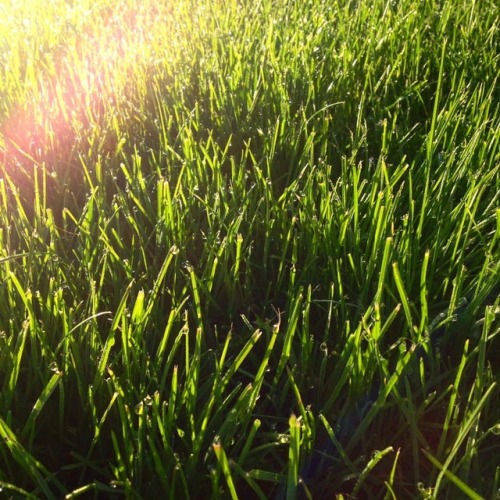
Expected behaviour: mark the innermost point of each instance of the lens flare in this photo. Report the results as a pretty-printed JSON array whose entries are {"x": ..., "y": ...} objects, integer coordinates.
[{"x": 88, "y": 58}]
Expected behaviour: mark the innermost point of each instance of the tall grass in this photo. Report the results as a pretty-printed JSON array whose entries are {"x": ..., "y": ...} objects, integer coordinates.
[{"x": 249, "y": 249}]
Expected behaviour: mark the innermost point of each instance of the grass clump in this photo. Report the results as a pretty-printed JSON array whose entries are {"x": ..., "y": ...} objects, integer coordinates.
[{"x": 249, "y": 248}]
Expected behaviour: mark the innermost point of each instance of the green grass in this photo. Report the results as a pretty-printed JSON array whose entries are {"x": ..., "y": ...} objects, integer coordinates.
[{"x": 249, "y": 249}]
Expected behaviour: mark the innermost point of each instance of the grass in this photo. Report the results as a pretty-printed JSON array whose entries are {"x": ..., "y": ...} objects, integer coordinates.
[{"x": 249, "y": 249}]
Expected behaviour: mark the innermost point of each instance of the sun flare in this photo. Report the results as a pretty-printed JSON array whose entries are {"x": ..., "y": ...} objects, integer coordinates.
[{"x": 75, "y": 64}]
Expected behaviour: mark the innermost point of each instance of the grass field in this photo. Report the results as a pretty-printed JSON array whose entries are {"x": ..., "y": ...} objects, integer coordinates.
[{"x": 250, "y": 249}]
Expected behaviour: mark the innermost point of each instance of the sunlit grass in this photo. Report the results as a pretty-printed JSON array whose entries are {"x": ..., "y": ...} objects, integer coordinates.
[{"x": 249, "y": 249}]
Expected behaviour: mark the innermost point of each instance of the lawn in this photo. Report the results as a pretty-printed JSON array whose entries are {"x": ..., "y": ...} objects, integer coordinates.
[{"x": 250, "y": 249}]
